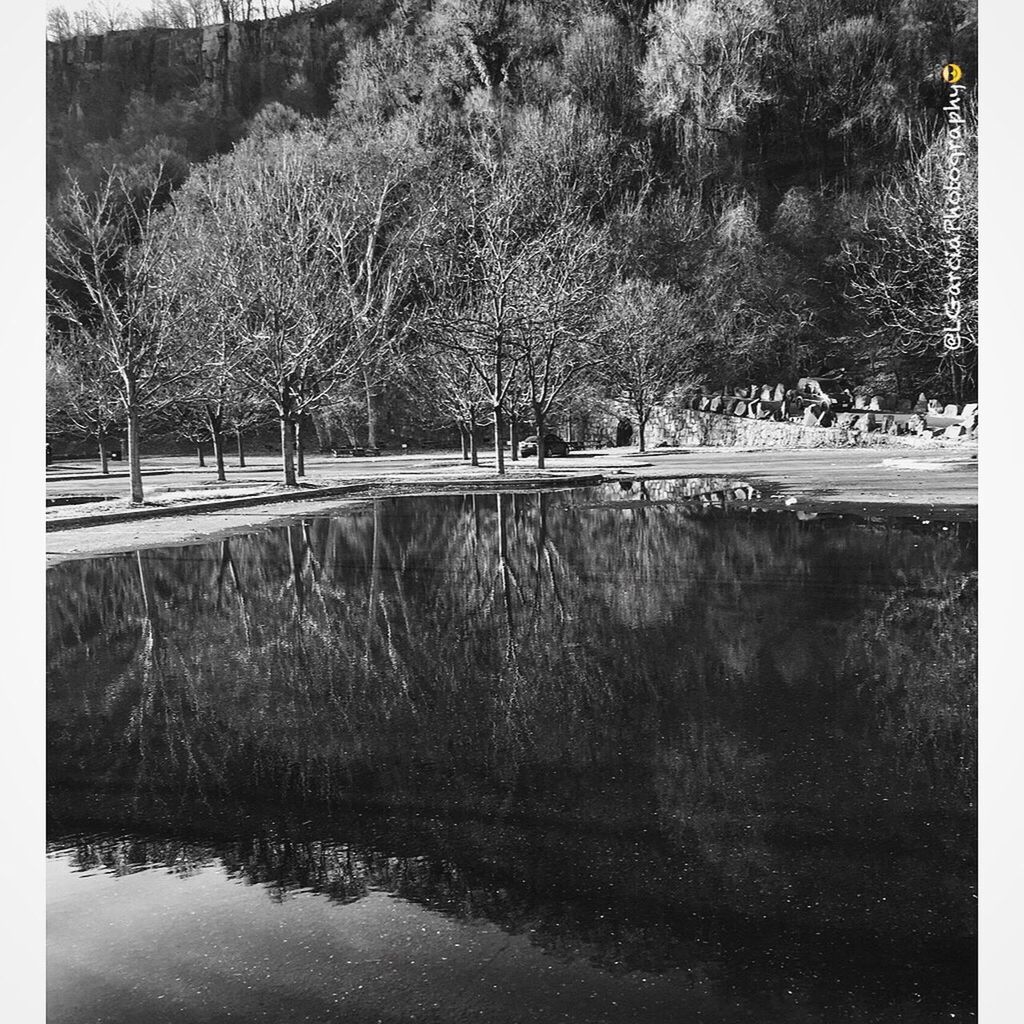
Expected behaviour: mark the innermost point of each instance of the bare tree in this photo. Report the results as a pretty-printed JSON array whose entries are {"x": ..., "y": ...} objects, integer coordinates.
[
  {"x": 79, "y": 392},
  {"x": 647, "y": 356},
  {"x": 95, "y": 19},
  {"x": 245, "y": 411},
  {"x": 215, "y": 388},
  {"x": 562, "y": 291},
  {"x": 905, "y": 269},
  {"x": 179, "y": 14},
  {"x": 110, "y": 16},
  {"x": 702, "y": 73},
  {"x": 263, "y": 224},
  {"x": 58, "y": 24},
  {"x": 443, "y": 378},
  {"x": 113, "y": 285},
  {"x": 479, "y": 309},
  {"x": 372, "y": 236},
  {"x": 187, "y": 421}
]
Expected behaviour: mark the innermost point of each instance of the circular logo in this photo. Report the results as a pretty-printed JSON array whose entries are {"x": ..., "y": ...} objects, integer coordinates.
[{"x": 952, "y": 73}]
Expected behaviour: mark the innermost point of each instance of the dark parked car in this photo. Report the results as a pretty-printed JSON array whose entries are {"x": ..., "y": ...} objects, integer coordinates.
[{"x": 553, "y": 445}]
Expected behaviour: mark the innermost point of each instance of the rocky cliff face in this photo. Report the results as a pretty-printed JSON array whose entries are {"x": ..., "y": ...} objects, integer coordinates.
[{"x": 235, "y": 67}]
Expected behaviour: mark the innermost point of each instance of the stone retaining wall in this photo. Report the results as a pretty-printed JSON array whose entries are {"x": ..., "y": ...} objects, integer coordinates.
[{"x": 687, "y": 428}]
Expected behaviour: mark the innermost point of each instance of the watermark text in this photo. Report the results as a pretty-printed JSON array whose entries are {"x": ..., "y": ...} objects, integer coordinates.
[{"x": 952, "y": 215}]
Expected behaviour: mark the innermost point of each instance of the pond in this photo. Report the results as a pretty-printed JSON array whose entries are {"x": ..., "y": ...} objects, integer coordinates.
[{"x": 634, "y": 753}]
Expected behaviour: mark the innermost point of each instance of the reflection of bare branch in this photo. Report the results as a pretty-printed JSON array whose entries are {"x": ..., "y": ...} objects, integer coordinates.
[{"x": 596, "y": 617}]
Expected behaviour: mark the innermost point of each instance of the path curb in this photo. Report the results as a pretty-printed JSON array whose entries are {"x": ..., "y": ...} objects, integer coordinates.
[
  {"x": 130, "y": 515},
  {"x": 253, "y": 501},
  {"x": 70, "y": 478}
]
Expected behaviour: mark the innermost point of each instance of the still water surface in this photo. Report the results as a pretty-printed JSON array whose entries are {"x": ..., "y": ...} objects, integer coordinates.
[{"x": 598, "y": 755}]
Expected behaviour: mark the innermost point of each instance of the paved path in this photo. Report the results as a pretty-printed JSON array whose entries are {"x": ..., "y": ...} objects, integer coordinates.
[{"x": 876, "y": 475}]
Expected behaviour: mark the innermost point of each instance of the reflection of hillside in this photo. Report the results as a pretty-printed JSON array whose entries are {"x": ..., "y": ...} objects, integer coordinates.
[{"x": 645, "y": 733}]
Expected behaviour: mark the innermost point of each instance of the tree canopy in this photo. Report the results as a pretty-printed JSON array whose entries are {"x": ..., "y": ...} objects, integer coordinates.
[{"x": 764, "y": 180}]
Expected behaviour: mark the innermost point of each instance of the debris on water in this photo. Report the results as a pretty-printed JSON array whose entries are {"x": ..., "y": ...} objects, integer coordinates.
[{"x": 791, "y": 501}]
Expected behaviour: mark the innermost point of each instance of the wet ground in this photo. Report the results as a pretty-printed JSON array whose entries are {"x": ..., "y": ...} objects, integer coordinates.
[
  {"x": 887, "y": 480},
  {"x": 635, "y": 753}
]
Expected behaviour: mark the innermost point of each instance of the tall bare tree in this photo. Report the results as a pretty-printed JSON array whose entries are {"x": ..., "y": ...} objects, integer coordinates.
[
  {"x": 480, "y": 305},
  {"x": 647, "y": 347},
  {"x": 265, "y": 224},
  {"x": 905, "y": 269},
  {"x": 562, "y": 294},
  {"x": 113, "y": 285},
  {"x": 373, "y": 234}
]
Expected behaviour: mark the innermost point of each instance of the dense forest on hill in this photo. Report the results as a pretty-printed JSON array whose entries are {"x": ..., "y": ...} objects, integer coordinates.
[{"x": 407, "y": 215}]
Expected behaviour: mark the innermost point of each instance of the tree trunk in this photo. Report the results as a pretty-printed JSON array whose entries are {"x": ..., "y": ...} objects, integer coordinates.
[
  {"x": 148, "y": 599},
  {"x": 372, "y": 599},
  {"x": 101, "y": 437},
  {"x": 502, "y": 528},
  {"x": 199, "y": 452},
  {"x": 295, "y": 563},
  {"x": 474, "y": 455},
  {"x": 513, "y": 436},
  {"x": 499, "y": 438},
  {"x": 300, "y": 448},
  {"x": 371, "y": 418},
  {"x": 538, "y": 419},
  {"x": 322, "y": 429},
  {"x": 218, "y": 454},
  {"x": 288, "y": 449},
  {"x": 642, "y": 423},
  {"x": 241, "y": 452},
  {"x": 215, "y": 421},
  {"x": 134, "y": 461},
  {"x": 499, "y": 442},
  {"x": 465, "y": 441}
]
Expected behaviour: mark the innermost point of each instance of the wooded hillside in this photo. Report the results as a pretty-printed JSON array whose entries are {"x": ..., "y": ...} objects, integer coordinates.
[{"x": 758, "y": 183}]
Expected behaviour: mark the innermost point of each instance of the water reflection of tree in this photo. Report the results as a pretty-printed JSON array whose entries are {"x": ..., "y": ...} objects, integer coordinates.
[
  {"x": 688, "y": 607},
  {"x": 732, "y": 706},
  {"x": 925, "y": 686}
]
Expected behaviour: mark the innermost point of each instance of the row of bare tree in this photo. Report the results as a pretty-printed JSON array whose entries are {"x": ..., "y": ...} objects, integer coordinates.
[
  {"x": 303, "y": 267},
  {"x": 102, "y": 16}
]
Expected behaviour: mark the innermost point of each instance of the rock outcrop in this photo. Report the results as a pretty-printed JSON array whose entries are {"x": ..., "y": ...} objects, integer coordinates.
[{"x": 235, "y": 67}]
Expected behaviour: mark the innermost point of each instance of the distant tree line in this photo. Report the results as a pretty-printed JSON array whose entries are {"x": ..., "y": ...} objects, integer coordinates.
[
  {"x": 514, "y": 211},
  {"x": 110, "y": 16}
]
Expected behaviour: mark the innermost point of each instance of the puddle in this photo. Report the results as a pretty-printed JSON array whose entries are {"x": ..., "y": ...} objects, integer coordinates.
[{"x": 511, "y": 757}]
